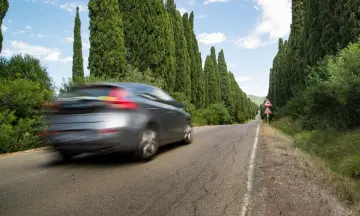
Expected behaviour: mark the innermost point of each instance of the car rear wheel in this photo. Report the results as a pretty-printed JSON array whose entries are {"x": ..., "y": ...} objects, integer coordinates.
[
  {"x": 148, "y": 145},
  {"x": 188, "y": 134}
]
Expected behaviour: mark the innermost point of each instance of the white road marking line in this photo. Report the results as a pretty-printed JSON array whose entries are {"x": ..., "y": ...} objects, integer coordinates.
[{"x": 250, "y": 174}]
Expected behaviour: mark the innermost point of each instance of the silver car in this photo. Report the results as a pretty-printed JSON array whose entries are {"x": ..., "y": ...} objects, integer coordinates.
[{"x": 116, "y": 117}]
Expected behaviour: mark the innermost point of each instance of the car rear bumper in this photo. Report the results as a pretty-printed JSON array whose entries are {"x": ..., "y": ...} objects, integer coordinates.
[{"x": 124, "y": 141}]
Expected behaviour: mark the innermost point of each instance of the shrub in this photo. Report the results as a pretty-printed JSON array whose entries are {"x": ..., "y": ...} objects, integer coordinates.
[
  {"x": 215, "y": 114},
  {"x": 25, "y": 85}
]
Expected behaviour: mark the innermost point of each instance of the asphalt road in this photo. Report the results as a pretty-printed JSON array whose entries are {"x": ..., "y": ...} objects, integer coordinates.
[{"x": 207, "y": 177}]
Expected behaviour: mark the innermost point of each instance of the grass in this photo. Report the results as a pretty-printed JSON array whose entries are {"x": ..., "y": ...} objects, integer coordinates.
[{"x": 340, "y": 153}]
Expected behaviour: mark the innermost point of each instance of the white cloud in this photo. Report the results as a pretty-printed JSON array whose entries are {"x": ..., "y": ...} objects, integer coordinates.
[
  {"x": 249, "y": 42},
  {"x": 50, "y": 1},
  {"x": 28, "y": 27},
  {"x": 71, "y": 6},
  {"x": 275, "y": 23},
  {"x": 40, "y": 35},
  {"x": 182, "y": 11},
  {"x": 206, "y": 2},
  {"x": 201, "y": 16},
  {"x": 256, "y": 8},
  {"x": 44, "y": 53},
  {"x": 243, "y": 78},
  {"x": 211, "y": 38},
  {"x": 69, "y": 39},
  {"x": 4, "y": 28},
  {"x": 10, "y": 21}
]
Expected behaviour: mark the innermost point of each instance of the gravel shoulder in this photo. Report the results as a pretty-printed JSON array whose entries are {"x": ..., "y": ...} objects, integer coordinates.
[{"x": 294, "y": 183}]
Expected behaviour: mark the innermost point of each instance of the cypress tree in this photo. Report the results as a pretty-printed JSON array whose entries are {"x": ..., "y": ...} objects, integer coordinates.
[
  {"x": 210, "y": 82},
  {"x": 4, "y": 6},
  {"x": 224, "y": 80},
  {"x": 182, "y": 66},
  {"x": 189, "y": 41},
  {"x": 107, "y": 51},
  {"x": 217, "y": 79},
  {"x": 149, "y": 37},
  {"x": 197, "y": 75},
  {"x": 313, "y": 32},
  {"x": 330, "y": 37},
  {"x": 77, "y": 67}
]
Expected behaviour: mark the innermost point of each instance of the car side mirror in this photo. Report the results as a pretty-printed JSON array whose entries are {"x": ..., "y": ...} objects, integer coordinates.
[{"x": 178, "y": 104}]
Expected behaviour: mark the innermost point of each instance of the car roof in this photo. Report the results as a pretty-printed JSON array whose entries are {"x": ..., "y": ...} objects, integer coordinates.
[{"x": 132, "y": 86}]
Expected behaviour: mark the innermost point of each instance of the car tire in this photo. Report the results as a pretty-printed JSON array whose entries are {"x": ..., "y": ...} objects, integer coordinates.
[
  {"x": 149, "y": 144},
  {"x": 188, "y": 134}
]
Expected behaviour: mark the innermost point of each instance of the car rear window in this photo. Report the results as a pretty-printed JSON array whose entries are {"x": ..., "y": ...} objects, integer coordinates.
[{"x": 94, "y": 91}]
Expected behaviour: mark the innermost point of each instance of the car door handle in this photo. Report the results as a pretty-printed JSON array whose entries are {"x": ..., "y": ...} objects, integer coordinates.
[
  {"x": 153, "y": 108},
  {"x": 170, "y": 112}
]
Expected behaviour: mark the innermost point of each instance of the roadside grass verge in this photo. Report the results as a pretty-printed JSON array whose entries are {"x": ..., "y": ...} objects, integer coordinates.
[{"x": 337, "y": 153}]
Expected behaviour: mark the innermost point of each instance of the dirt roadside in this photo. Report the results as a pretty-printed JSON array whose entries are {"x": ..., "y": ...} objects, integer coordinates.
[{"x": 293, "y": 183}]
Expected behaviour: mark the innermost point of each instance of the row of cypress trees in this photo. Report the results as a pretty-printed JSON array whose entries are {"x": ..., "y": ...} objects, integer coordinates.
[
  {"x": 319, "y": 28},
  {"x": 152, "y": 35}
]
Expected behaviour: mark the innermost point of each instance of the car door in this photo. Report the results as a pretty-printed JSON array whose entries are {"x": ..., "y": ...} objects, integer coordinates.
[{"x": 175, "y": 119}]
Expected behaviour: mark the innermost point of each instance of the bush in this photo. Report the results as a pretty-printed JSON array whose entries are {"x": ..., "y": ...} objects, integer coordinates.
[
  {"x": 215, "y": 114},
  {"x": 24, "y": 86}
]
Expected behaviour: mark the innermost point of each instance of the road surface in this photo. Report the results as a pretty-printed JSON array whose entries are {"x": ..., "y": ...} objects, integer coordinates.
[{"x": 208, "y": 177}]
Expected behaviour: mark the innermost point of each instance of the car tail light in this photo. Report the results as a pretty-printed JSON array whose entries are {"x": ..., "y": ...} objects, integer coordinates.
[
  {"x": 47, "y": 133},
  {"x": 108, "y": 131},
  {"x": 51, "y": 105},
  {"x": 118, "y": 98}
]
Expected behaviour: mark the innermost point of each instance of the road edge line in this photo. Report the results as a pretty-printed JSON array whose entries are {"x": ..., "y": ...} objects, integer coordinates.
[{"x": 251, "y": 170}]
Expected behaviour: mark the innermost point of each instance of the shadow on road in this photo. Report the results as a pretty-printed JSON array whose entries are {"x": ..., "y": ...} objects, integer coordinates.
[{"x": 107, "y": 160}]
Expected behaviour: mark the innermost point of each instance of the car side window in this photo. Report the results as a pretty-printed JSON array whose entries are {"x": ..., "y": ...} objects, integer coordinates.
[{"x": 161, "y": 95}]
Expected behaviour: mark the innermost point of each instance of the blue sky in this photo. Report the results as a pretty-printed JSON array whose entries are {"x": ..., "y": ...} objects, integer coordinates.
[{"x": 247, "y": 31}]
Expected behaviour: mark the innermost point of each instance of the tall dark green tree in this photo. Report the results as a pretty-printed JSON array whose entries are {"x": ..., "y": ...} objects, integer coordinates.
[
  {"x": 4, "y": 6},
  {"x": 107, "y": 50},
  {"x": 210, "y": 83},
  {"x": 224, "y": 80},
  {"x": 78, "y": 61},
  {"x": 197, "y": 80},
  {"x": 313, "y": 32},
  {"x": 189, "y": 43},
  {"x": 149, "y": 38},
  {"x": 182, "y": 64},
  {"x": 217, "y": 79}
]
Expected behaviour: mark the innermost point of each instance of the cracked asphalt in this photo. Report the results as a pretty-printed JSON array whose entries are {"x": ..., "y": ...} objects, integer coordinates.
[{"x": 207, "y": 177}]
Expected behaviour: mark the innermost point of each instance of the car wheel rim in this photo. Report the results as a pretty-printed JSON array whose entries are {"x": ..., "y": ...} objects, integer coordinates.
[
  {"x": 188, "y": 134},
  {"x": 149, "y": 143}
]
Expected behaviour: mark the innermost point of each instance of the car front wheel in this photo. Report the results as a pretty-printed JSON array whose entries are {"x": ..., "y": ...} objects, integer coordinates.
[
  {"x": 148, "y": 145},
  {"x": 188, "y": 134}
]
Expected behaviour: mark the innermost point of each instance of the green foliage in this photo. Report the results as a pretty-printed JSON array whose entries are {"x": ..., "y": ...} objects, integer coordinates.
[
  {"x": 4, "y": 6},
  {"x": 210, "y": 83},
  {"x": 25, "y": 67},
  {"x": 197, "y": 77},
  {"x": 339, "y": 150},
  {"x": 25, "y": 85},
  {"x": 215, "y": 114},
  {"x": 78, "y": 61},
  {"x": 224, "y": 80},
  {"x": 149, "y": 38},
  {"x": 182, "y": 63},
  {"x": 107, "y": 50},
  {"x": 217, "y": 93}
]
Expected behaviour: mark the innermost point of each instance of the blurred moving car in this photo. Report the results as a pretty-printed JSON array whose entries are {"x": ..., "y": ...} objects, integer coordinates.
[{"x": 116, "y": 117}]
